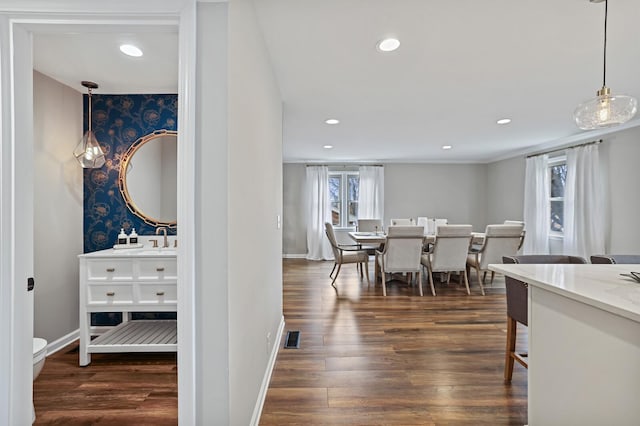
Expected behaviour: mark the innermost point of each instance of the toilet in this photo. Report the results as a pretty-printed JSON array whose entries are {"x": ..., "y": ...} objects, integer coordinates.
[{"x": 39, "y": 355}]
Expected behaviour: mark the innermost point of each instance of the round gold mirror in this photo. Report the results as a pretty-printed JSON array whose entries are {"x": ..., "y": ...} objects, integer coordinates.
[{"x": 148, "y": 178}]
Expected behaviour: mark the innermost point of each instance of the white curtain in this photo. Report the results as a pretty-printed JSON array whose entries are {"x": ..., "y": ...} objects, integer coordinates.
[
  {"x": 318, "y": 213},
  {"x": 537, "y": 213},
  {"x": 584, "y": 201},
  {"x": 371, "y": 193}
]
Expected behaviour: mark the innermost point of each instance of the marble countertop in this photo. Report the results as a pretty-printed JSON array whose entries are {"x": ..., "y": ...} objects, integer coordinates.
[
  {"x": 600, "y": 286},
  {"x": 133, "y": 252}
]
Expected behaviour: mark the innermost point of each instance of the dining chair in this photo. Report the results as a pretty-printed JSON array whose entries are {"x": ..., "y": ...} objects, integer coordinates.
[
  {"x": 517, "y": 222},
  {"x": 517, "y": 304},
  {"x": 402, "y": 222},
  {"x": 424, "y": 222},
  {"x": 401, "y": 253},
  {"x": 432, "y": 225},
  {"x": 615, "y": 258},
  {"x": 448, "y": 253},
  {"x": 370, "y": 225},
  {"x": 345, "y": 253},
  {"x": 500, "y": 240}
]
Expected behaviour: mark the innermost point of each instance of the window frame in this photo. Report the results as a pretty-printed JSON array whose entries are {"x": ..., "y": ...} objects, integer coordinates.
[
  {"x": 344, "y": 197},
  {"x": 553, "y": 162}
]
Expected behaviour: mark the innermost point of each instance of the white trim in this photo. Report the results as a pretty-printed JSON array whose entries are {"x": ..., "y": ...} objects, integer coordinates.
[
  {"x": 187, "y": 351},
  {"x": 257, "y": 411},
  {"x": 62, "y": 342},
  {"x": 294, "y": 256}
]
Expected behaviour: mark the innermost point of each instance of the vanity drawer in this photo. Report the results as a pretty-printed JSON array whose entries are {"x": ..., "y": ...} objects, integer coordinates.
[
  {"x": 109, "y": 270},
  {"x": 107, "y": 294},
  {"x": 161, "y": 294},
  {"x": 157, "y": 269}
]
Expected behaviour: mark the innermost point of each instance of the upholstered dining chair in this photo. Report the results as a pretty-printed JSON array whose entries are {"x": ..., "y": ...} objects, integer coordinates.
[
  {"x": 402, "y": 222},
  {"x": 517, "y": 222},
  {"x": 448, "y": 253},
  {"x": 345, "y": 254},
  {"x": 370, "y": 225},
  {"x": 517, "y": 307},
  {"x": 401, "y": 253},
  {"x": 616, "y": 258},
  {"x": 499, "y": 240},
  {"x": 424, "y": 222}
]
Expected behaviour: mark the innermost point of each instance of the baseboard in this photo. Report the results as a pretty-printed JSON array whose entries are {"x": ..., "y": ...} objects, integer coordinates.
[
  {"x": 257, "y": 411},
  {"x": 294, "y": 256},
  {"x": 56, "y": 345}
]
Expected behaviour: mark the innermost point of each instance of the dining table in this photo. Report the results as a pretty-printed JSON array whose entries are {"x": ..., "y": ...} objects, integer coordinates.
[{"x": 375, "y": 238}]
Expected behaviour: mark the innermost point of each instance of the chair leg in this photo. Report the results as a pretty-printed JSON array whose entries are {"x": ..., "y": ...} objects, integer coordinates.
[
  {"x": 511, "y": 348},
  {"x": 334, "y": 268},
  {"x": 366, "y": 271},
  {"x": 493, "y": 274},
  {"x": 479, "y": 280},
  {"x": 484, "y": 276},
  {"x": 466, "y": 281},
  {"x": 430, "y": 275},
  {"x": 384, "y": 282},
  {"x": 419, "y": 277},
  {"x": 334, "y": 278}
]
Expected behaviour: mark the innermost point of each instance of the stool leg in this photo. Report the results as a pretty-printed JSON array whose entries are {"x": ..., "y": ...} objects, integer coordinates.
[{"x": 511, "y": 348}]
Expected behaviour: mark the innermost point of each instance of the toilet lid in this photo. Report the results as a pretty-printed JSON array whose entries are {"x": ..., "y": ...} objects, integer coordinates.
[{"x": 38, "y": 344}]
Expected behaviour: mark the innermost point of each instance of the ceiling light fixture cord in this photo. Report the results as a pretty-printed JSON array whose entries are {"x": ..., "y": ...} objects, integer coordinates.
[{"x": 604, "y": 72}]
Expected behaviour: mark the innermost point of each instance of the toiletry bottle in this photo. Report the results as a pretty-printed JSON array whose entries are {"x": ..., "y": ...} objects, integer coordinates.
[
  {"x": 133, "y": 237},
  {"x": 122, "y": 238}
]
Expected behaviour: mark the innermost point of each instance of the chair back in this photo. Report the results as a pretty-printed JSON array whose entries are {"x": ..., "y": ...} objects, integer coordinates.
[
  {"x": 403, "y": 222},
  {"x": 451, "y": 247},
  {"x": 424, "y": 222},
  {"x": 517, "y": 290},
  {"x": 403, "y": 248},
  {"x": 370, "y": 225},
  {"x": 328, "y": 227},
  {"x": 438, "y": 223},
  {"x": 514, "y": 222},
  {"x": 615, "y": 258},
  {"x": 499, "y": 241}
]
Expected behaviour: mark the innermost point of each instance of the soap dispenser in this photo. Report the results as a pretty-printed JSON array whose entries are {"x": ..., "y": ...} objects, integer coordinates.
[
  {"x": 122, "y": 237},
  {"x": 133, "y": 237}
]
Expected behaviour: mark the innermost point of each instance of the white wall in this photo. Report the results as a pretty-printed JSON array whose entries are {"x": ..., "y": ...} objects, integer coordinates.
[
  {"x": 457, "y": 192},
  {"x": 239, "y": 187},
  {"x": 505, "y": 190},
  {"x": 58, "y": 207},
  {"x": 255, "y": 202},
  {"x": 619, "y": 151}
]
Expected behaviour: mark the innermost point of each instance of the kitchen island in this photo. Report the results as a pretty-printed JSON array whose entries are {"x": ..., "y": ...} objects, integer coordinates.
[{"x": 584, "y": 343}]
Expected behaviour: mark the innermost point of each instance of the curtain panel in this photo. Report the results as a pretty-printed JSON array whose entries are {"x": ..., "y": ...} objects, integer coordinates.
[
  {"x": 584, "y": 198},
  {"x": 371, "y": 193},
  {"x": 537, "y": 187},
  {"x": 318, "y": 212}
]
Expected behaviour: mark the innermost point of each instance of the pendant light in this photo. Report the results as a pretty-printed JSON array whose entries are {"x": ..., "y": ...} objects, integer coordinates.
[
  {"x": 88, "y": 152},
  {"x": 605, "y": 110}
]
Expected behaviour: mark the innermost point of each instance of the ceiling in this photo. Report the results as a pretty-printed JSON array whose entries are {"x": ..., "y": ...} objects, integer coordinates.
[{"x": 461, "y": 66}]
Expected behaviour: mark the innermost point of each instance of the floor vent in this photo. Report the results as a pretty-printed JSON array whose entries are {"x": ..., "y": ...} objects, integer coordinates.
[{"x": 293, "y": 340}]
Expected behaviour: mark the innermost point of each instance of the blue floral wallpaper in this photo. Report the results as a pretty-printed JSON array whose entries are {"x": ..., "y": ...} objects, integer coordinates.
[{"x": 118, "y": 121}]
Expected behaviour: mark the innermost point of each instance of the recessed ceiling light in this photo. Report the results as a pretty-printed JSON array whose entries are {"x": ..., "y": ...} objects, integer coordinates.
[
  {"x": 446, "y": 147},
  {"x": 131, "y": 50},
  {"x": 388, "y": 44},
  {"x": 332, "y": 121},
  {"x": 328, "y": 146},
  {"x": 504, "y": 121}
]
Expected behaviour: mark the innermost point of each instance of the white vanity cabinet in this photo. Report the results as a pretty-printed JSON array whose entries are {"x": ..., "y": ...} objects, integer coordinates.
[{"x": 131, "y": 280}]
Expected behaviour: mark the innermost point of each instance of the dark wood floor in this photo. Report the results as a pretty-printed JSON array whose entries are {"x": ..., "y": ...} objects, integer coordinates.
[
  {"x": 115, "y": 389},
  {"x": 363, "y": 360},
  {"x": 401, "y": 360}
]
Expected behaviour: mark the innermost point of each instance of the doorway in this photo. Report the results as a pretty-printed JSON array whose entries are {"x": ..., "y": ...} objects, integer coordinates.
[{"x": 16, "y": 325}]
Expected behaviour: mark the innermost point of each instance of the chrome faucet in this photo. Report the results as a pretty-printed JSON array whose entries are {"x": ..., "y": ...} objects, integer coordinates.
[{"x": 164, "y": 232}]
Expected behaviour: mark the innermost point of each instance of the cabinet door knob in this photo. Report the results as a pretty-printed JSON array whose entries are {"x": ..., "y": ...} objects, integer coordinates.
[
  {"x": 159, "y": 269},
  {"x": 111, "y": 293},
  {"x": 111, "y": 269},
  {"x": 160, "y": 293}
]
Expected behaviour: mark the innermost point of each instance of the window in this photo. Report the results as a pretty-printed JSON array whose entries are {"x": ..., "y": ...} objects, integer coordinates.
[
  {"x": 558, "y": 172},
  {"x": 343, "y": 194}
]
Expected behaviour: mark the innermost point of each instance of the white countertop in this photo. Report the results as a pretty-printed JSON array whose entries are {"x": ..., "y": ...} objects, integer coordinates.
[
  {"x": 600, "y": 286},
  {"x": 133, "y": 252}
]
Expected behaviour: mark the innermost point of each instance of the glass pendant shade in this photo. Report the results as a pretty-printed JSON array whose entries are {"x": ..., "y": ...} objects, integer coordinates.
[
  {"x": 88, "y": 152},
  {"x": 605, "y": 110}
]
